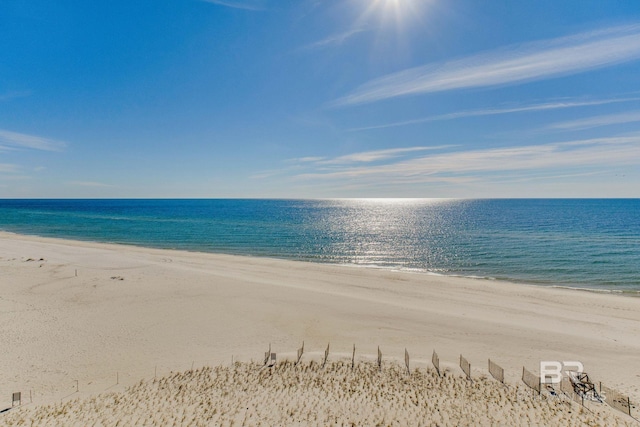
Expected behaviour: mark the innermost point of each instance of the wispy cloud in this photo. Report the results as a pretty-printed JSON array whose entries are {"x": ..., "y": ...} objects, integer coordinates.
[
  {"x": 325, "y": 164},
  {"x": 514, "y": 64},
  {"x": 239, "y": 4},
  {"x": 309, "y": 159},
  {"x": 375, "y": 156},
  {"x": 12, "y": 140},
  {"x": 565, "y": 156},
  {"x": 597, "y": 121},
  {"x": 498, "y": 111},
  {"x": 333, "y": 40},
  {"x": 537, "y": 176}
]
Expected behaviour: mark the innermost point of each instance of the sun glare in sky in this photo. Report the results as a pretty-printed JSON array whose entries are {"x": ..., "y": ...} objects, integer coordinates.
[
  {"x": 397, "y": 12},
  {"x": 319, "y": 99}
]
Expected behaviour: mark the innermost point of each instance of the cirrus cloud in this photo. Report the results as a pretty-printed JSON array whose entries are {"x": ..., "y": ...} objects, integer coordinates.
[
  {"x": 513, "y": 64},
  {"x": 239, "y": 4},
  {"x": 582, "y": 155},
  {"x": 13, "y": 140}
]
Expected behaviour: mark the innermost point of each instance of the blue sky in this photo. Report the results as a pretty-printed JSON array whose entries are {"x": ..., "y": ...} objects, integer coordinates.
[{"x": 319, "y": 98}]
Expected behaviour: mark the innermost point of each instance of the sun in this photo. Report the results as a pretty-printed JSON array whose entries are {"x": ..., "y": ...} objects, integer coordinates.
[{"x": 399, "y": 13}]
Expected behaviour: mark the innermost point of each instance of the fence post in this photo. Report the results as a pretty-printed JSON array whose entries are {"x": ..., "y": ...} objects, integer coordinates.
[
  {"x": 436, "y": 362},
  {"x": 353, "y": 357},
  {"x": 466, "y": 366},
  {"x": 406, "y": 361},
  {"x": 629, "y": 405},
  {"x": 300, "y": 352},
  {"x": 267, "y": 355},
  {"x": 326, "y": 355}
]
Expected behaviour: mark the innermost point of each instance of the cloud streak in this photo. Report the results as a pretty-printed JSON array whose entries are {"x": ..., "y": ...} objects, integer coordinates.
[
  {"x": 597, "y": 121},
  {"x": 600, "y": 153},
  {"x": 514, "y": 64},
  {"x": 499, "y": 111},
  {"x": 13, "y": 140},
  {"x": 333, "y": 40},
  {"x": 237, "y": 4},
  {"x": 375, "y": 156}
]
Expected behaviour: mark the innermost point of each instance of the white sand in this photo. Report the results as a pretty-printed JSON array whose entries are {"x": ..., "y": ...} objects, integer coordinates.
[
  {"x": 174, "y": 309},
  {"x": 307, "y": 394}
]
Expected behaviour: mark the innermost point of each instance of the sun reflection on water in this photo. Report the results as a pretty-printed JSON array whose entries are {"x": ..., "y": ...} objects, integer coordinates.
[{"x": 397, "y": 233}]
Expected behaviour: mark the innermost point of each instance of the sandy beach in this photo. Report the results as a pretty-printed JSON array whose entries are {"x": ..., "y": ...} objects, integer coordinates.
[{"x": 78, "y": 319}]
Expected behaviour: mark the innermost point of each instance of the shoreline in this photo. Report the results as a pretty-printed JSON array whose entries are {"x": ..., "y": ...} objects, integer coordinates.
[
  {"x": 132, "y": 308},
  {"x": 409, "y": 270}
]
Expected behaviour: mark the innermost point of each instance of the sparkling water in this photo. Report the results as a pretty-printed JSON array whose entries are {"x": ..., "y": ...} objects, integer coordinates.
[{"x": 583, "y": 243}]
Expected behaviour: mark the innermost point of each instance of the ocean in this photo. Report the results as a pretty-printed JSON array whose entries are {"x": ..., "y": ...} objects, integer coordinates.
[{"x": 580, "y": 243}]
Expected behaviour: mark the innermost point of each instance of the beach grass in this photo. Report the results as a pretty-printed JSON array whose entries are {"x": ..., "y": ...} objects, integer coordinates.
[{"x": 249, "y": 394}]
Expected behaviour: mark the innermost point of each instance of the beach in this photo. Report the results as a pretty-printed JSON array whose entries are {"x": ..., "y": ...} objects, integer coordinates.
[{"x": 79, "y": 318}]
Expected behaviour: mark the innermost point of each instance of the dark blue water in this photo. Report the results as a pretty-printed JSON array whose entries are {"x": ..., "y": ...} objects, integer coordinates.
[{"x": 578, "y": 243}]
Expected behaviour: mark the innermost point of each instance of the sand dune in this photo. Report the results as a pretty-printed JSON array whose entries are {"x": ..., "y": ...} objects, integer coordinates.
[
  {"x": 78, "y": 314},
  {"x": 307, "y": 394}
]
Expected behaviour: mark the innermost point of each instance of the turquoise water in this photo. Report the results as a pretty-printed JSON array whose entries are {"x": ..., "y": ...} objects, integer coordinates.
[{"x": 591, "y": 243}]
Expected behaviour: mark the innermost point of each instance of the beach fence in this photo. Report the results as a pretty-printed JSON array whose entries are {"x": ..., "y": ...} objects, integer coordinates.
[
  {"x": 406, "y": 361},
  {"x": 617, "y": 400},
  {"x": 353, "y": 357},
  {"x": 496, "y": 371},
  {"x": 436, "y": 362},
  {"x": 531, "y": 380},
  {"x": 300, "y": 352},
  {"x": 16, "y": 398},
  {"x": 566, "y": 387},
  {"x": 613, "y": 398},
  {"x": 267, "y": 354},
  {"x": 465, "y": 366},
  {"x": 584, "y": 391},
  {"x": 326, "y": 355},
  {"x": 269, "y": 357}
]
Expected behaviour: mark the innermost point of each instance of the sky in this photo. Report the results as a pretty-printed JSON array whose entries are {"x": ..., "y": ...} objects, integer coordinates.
[{"x": 319, "y": 98}]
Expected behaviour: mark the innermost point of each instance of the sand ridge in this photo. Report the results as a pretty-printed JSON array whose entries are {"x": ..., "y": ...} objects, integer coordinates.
[{"x": 248, "y": 394}]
